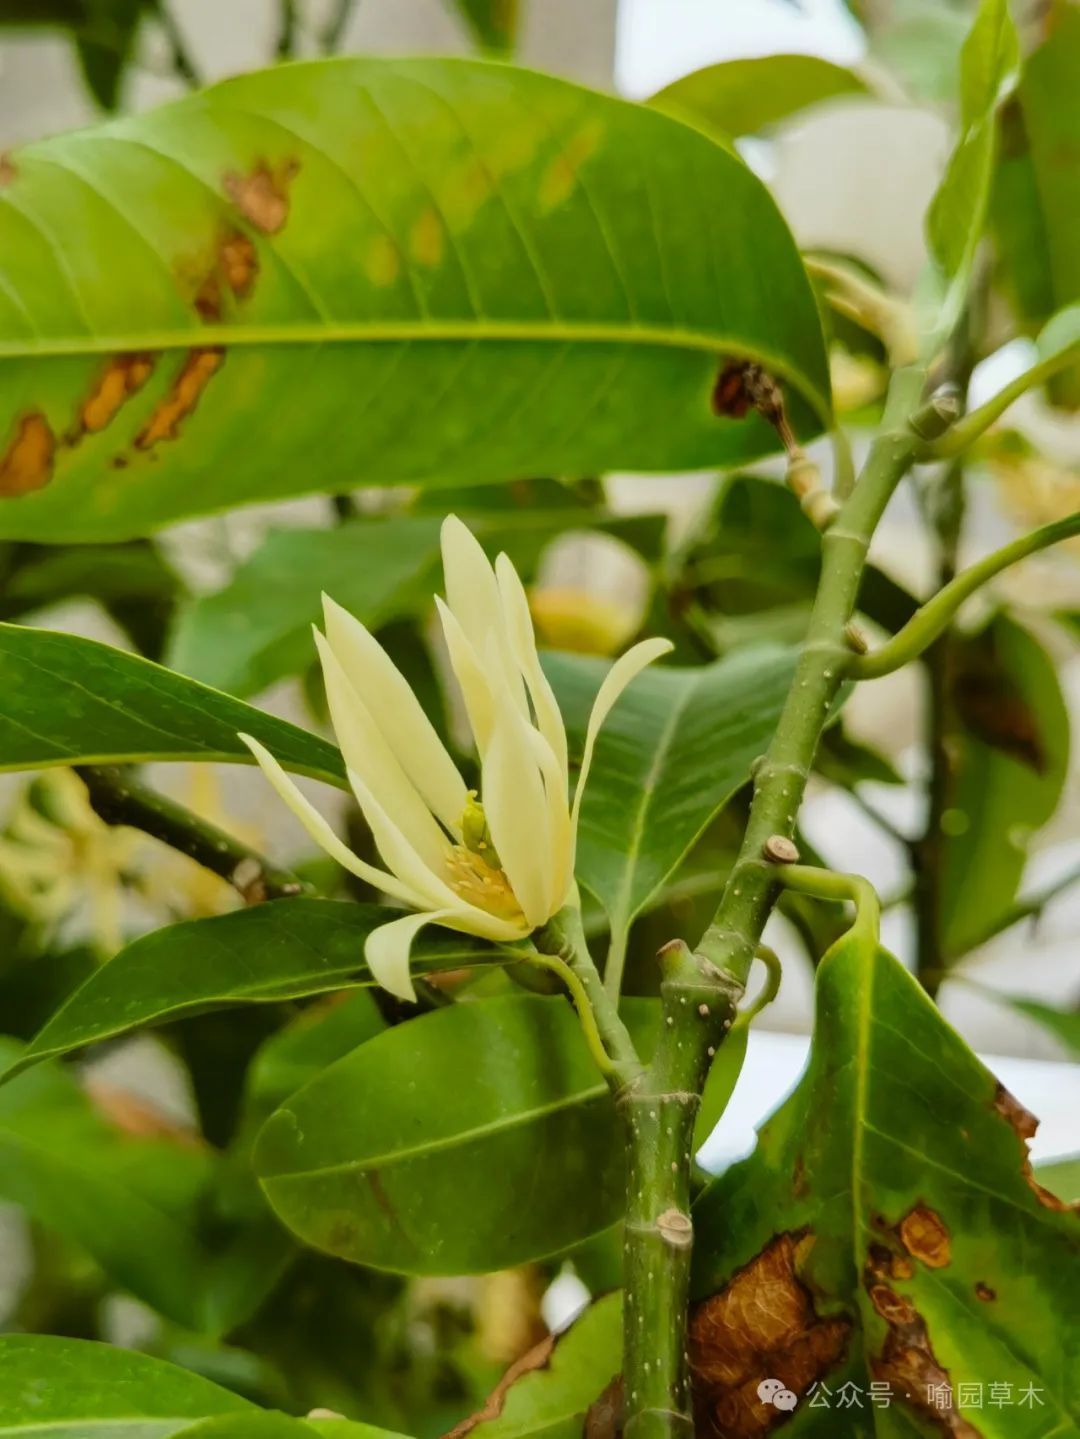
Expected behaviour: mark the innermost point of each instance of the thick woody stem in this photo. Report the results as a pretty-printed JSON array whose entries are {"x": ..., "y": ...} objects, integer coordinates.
[
  {"x": 119, "y": 797},
  {"x": 700, "y": 990}
]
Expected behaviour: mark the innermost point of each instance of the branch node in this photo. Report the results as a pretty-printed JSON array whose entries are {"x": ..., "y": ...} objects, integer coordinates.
[
  {"x": 940, "y": 412},
  {"x": 856, "y": 639}
]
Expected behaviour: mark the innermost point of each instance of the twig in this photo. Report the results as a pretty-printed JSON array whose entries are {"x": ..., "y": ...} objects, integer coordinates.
[
  {"x": 120, "y": 798},
  {"x": 334, "y": 30},
  {"x": 286, "y": 41},
  {"x": 181, "y": 59}
]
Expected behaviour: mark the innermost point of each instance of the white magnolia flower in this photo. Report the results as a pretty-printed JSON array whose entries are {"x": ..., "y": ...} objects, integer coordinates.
[{"x": 498, "y": 866}]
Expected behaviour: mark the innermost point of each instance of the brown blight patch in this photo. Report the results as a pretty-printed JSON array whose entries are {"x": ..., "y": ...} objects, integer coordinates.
[
  {"x": 27, "y": 463},
  {"x": 538, "y": 1357},
  {"x": 908, "y": 1365},
  {"x": 761, "y": 1325},
  {"x": 198, "y": 369},
  {"x": 561, "y": 176},
  {"x": 1024, "y": 1124},
  {"x": 236, "y": 266},
  {"x": 121, "y": 378},
  {"x": 925, "y": 1236},
  {"x": 426, "y": 238},
  {"x": 262, "y": 195},
  {"x": 985, "y": 1293},
  {"x": 8, "y": 170}
]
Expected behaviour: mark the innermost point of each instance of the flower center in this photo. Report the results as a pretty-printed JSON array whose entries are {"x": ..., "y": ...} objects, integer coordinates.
[{"x": 475, "y": 870}]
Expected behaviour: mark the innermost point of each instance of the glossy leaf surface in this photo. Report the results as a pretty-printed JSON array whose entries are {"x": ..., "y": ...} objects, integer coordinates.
[
  {"x": 887, "y": 1230},
  {"x": 69, "y": 700},
  {"x": 285, "y": 949},
  {"x": 337, "y": 262},
  {"x": 742, "y": 97}
]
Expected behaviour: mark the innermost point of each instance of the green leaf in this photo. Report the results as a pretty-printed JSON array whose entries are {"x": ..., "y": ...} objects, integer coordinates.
[
  {"x": 387, "y": 1157},
  {"x": 958, "y": 212},
  {"x": 104, "y": 44},
  {"x": 71, "y": 1388},
  {"x": 74, "y": 701},
  {"x": 887, "y": 1229},
  {"x": 1063, "y": 1024},
  {"x": 676, "y": 747},
  {"x": 742, "y": 97},
  {"x": 1011, "y": 760},
  {"x": 129, "y": 1203},
  {"x": 493, "y": 22},
  {"x": 553, "y": 1400},
  {"x": 284, "y": 949},
  {"x": 374, "y": 253},
  {"x": 1036, "y": 206},
  {"x": 258, "y": 628},
  {"x": 1061, "y": 1177}
]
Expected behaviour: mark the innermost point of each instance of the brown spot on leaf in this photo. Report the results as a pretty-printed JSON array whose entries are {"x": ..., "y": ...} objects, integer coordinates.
[
  {"x": 992, "y": 708},
  {"x": 121, "y": 378},
  {"x": 907, "y": 1362},
  {"x": 762, "y": 1324},
  {"x": 26, "y": 465},
  {"x": 536, "y": 1358},
  {"x": 1024, "y": 1124},
  {"x": 985, "y": 1293},
  {"x": 198, "y": 369},
  {"x": 558, "y": 180},
  {"x": 604, "y": 1416},
  {"x": 234, "y": 269},
  {"x": 262, "y": 196},
  {"x": 924, "y": 1235},
  {"x": 8, "y": 171}
]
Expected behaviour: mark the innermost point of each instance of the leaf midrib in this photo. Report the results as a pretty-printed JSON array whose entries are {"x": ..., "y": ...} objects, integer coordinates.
[
  {"x": 309, "y": 332},
  {"x": 445, "y": 1142}
]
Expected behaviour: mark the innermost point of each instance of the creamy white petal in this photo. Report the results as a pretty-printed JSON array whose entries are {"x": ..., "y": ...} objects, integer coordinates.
[
  {"x": 399, "y": 855},
  {"x": 368, "y": 755},
  {"x": 472, "y": 593},
  {"x": 519, "y": 627},
  {"x": 387, "y": 951},
  {"x": 397, "y": 712},
  {"x": 469, "y": 673},
  {"x": 626, "y": 668},
  {"x": 516, "y": 808},
  {"x": 321, "y": 832},
  {"x": 560, "y": 833}
]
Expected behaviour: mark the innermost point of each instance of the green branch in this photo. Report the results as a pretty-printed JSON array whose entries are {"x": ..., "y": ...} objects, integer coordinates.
[
  {"x": 828, "y": 884},
  {"x": 965, "y": 432},
  {"x": 934, "y": 617},
  {"x": 769, "y": 990},
  {"x": 121, "y": 798},
  {"x": 579, "y": 995}
]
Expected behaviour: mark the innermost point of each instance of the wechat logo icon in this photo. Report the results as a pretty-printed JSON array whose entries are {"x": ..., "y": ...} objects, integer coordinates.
[{"x": 772, "y": 1391}]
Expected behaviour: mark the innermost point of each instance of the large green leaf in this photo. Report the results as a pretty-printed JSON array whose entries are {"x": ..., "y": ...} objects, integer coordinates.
[
  {"x": 1010, "y": 763},
  {"x": 71, "y": 1389},
  {"x": 69, "y": 700},
  {"x": 284, "y": 949},
  {"x": 676, "y": 747},
  {"x": 1037, "y": 191},
  {"x": 387, "y": 1157},
  {"x": 958, "y": 212},
  {"x": 887, "y": 1230},
  {"x": 258, "y": 628},
  {"x": 741, "y": 97},
  {"x": 370, "y": 271}
]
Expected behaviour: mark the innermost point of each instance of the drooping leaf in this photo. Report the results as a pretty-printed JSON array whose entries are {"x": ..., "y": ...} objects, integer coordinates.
[
  {"x": 673, "y": 751},
  {"x": 258, "y": 628},
  {"x": 958, "y": 212},
  {"x": 1062, "y": 1023},
  {"x": 887, "y": 1230},
  {"x": 69, "y": 700},
  {"x": 493, "y": 22},
  {"x": 1010, "y": 762},
  {"x": 743, "y": 97},
  {"x": 70, "y": 1388},
  {"x": 104, "y": 43},
  {"x": 550, "y": 1392},
  {"x": 284, "y": 949},
  {"x": 366, "y": 251}
]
